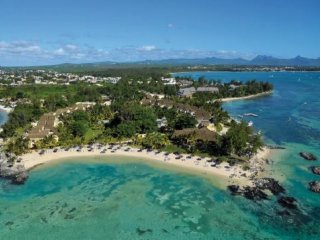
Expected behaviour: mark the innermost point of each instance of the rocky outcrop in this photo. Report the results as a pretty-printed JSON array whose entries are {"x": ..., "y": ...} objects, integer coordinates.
[
  {"x": 288, "y": 202},
  {"x": 234, "y": 189},
  {"x": 254, "y": 193},
  {"x": 269, "y": 184},
  {"x": 315, "y": 186},
  {"x": 11, "y": 170},
  {"x": 315, "y": 170},
  {"x": 308, "y": 156}
]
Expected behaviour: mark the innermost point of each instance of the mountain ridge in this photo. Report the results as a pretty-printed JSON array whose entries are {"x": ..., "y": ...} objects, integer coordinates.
[{"x": 259, "y": 60}]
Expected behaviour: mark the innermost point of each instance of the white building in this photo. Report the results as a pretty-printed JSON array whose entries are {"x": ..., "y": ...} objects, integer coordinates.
[{"x": 169, "y": 81}]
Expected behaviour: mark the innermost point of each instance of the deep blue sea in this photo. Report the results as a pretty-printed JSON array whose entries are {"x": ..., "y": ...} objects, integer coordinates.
[{"x": 122, "y": 199}]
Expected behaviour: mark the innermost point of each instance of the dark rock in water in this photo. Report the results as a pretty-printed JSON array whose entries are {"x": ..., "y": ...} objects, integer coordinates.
[
  {"x": 315, "y": 170},
  {"x": 10, "y": 223},
  {"x": 20, "y": 178},
  {"x": 234, "y": 189},
  {"x": 254, "y": 193},
  {"x": 308, "y": 156},
  {"x": 288, "y": 202},
  {"x": 315, "y": 186},
  {"x": 43, "y": 219},
  {"x": 284, "y": 213},
  {"x": 142, "y": 231},
  {"x": 270, "y": 184},
  {"x": 72, "y": 210},
  {"x": 68, "y": 216},
  {"x": 275, "y": 147},
  {"x": 164, "y": 230}
]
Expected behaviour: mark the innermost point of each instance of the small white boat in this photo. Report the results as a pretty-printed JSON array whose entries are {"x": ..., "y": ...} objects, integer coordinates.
[
  {"x": 250, "y": 123},
  {"x": 250, "y": 115}
]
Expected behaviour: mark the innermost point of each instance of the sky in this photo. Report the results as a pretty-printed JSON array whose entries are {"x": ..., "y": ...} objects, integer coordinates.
[{"x": 41, "y": 32}]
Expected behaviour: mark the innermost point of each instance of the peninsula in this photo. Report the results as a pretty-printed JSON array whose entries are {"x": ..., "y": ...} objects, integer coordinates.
[{"x": 133, "y": 112}]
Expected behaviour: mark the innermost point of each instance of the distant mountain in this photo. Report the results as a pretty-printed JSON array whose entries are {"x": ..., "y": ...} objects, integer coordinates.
[
  {"x": 260, "y": 60},
  {"x": 297, "y": 61},
  {"x": 199, "y": 61}
]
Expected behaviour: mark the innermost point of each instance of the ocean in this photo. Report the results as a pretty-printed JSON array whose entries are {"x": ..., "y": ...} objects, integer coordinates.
[{"x": 123, "y": 199}]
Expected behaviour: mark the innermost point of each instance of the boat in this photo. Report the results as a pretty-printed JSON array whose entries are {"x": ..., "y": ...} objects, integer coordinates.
[
  {"x": 250, "y": 115},
  {"x": 250, "y": 123}
]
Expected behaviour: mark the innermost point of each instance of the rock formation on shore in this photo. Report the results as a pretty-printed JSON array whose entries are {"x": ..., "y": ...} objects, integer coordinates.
[{"x": 11, "y": 169}]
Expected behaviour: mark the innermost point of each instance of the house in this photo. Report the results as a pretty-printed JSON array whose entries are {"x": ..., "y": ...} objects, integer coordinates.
[
  {"x": 44, "y": 128},
  {"x": 113, "y": 80},
  {"x": 162, "y": 122},
  {"x": 169, "y": 81},
  {"x": 184, "y": 83},
  {"x": 188, "y": 92},
  {"x": 208, "y": 89},
  {"x": 198, "y": 134},
  {"x": 48, "y": 122},
  {"x": 199, "y": 113}
]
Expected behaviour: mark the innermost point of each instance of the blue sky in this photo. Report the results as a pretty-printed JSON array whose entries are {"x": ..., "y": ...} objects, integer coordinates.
[{"x": 37, "y": 32}]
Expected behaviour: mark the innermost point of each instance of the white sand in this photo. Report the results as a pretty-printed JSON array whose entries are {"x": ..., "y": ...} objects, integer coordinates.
[
  {"x": 246, "y": 97},
  {"x": 33, "y": 159}
]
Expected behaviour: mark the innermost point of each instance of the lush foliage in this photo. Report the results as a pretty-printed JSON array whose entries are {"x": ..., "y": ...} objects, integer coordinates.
[
  {"x": 131, "y": 119},
  {"x": 20, "y": 117},
  {"x": 153, "y": 140},
  {"x": 240, "y": 140}
]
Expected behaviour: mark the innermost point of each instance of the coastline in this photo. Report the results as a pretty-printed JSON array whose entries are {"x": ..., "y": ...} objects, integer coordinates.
[
  {"x": 193, "y": 165},
  {"x": 5, "y": 109},
  {"x": 245, "y": 97}
]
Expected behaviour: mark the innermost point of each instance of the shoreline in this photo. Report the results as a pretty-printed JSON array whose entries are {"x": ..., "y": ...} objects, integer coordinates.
[
  {"x": 192, "y": 164},
  {"x": 6, "y": 109},
  {"x": 245, "y": 97}
]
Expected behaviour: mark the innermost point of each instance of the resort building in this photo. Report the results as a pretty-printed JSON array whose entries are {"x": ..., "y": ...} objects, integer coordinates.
[
  {"x": 48, "y": 122},
  {"x": 169, "y": 81},
  {"x": 201, "y": 115},
  {"x": 43, "y": 128},
  {"x": 196, "y": 134},
  {"x": 188, "y": 92},
  {"x": 162, "y": 122}
]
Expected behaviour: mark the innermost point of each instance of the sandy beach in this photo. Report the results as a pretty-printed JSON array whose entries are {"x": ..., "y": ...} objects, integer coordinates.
[
  {"x": 246, "y": 97},
  {"x": 193, "y": 163}
]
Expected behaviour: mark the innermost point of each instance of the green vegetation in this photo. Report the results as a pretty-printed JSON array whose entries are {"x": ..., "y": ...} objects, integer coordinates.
[
  {"x": 128, "y": 119},
  {"x": 20, "y": 118},
  {"x": 240, "y": 140},
  {"x": 153, "y": 140},
  {"x": 132, "y": 119}
]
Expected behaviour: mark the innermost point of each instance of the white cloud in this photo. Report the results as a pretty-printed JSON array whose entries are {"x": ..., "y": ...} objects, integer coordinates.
[
  {"x": 12, "y": 53},
  {"x": 71, "y": 47},
  {"x": 59, "y": 52},
  {"x": 20, "y": 48},
  {"x": 147, "y": 48}
]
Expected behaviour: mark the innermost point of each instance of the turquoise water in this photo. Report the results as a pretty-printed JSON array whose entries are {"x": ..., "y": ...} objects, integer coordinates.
[
  {"x": 83, "y": 200},
  {"x": 95, "y": 199},
  {"x": 3, "y": 117}
]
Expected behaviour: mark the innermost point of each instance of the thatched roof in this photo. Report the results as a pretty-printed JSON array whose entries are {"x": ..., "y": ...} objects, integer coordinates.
[
  {"x": 203, "y": 134},
  {"x": 199, "y": 113}
]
